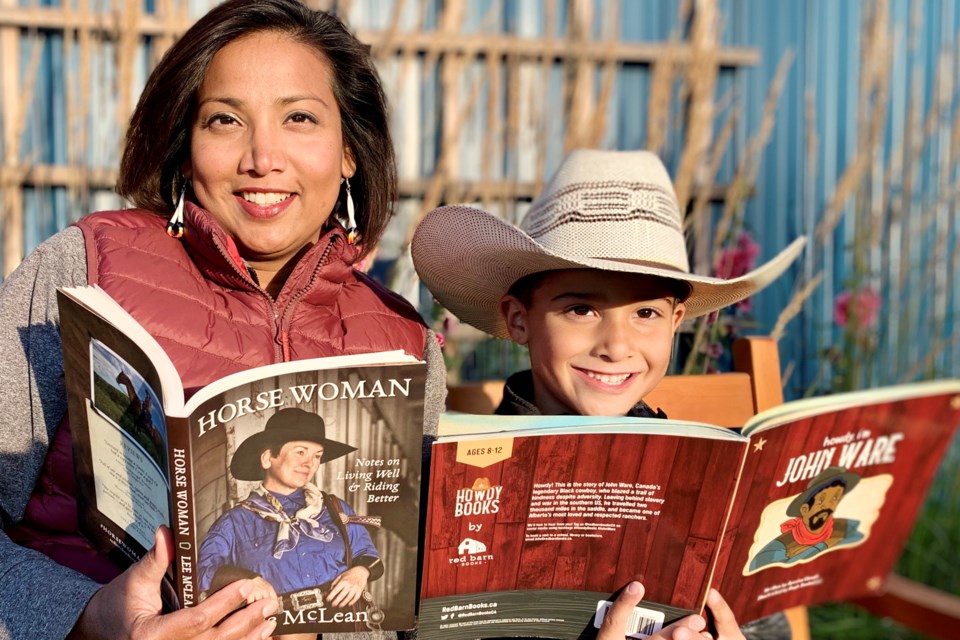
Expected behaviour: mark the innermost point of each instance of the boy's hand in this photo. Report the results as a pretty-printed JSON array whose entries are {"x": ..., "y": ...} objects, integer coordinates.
[
  {"x": 693, "y": 627},
  {"x": 614, "y": 626},
  {"x": 723, "y": 618}
]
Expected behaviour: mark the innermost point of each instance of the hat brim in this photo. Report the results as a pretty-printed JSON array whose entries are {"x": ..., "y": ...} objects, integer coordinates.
[
  {"x": 470, "y": 258},
  {"x": 849, "y": 479},
  {"x": 245, "y": 464}
]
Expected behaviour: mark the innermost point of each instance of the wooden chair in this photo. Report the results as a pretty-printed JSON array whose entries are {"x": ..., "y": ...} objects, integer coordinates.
[{"x": 729, "y": 399}]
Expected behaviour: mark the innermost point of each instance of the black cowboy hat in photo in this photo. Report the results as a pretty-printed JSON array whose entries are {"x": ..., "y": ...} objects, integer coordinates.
[
  {"x": 286, "y": 425},
  {"x": 609, "y": 210},
  {"x": 824, "y": 479}
]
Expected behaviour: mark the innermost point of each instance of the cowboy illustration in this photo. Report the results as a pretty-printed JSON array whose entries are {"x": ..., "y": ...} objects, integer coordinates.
[{"x": 813, "y": 527}]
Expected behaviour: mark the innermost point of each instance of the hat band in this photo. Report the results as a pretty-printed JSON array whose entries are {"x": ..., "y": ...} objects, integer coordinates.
[{"x": 598, "y": 202}]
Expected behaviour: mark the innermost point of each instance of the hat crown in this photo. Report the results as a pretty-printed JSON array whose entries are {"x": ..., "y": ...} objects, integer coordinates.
[{"x": 612, "y": 205}]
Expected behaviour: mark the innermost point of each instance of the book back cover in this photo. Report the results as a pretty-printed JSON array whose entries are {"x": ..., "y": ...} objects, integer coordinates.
[{"x": 529, "y": 535}]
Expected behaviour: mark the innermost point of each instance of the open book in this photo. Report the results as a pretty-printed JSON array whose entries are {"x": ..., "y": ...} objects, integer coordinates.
[
  {"x": 534, "y": 523},
  {"x": 263, "y": 473}
]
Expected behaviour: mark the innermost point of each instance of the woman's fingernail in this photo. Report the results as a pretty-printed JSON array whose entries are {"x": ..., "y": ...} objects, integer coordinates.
[
  {"x": 633, "y": 588},
  {"x": 268, "y": 631},
  {"x": 270, "y": 607}
]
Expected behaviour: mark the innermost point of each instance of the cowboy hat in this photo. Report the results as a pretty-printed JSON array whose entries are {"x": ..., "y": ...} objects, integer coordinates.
[
  {"x": 286, "y": 425},
  {"x": 609, "y": 210},
  {"x": 824, "y": 479}
]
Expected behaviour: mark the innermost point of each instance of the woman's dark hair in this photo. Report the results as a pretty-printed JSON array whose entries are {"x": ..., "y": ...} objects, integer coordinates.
[{"x": 158, "y": 139}]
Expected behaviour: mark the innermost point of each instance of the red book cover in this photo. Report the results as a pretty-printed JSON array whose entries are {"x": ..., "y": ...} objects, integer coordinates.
[
  {"x": 530, "y": 532},
  {"x": 535, "y": 523},
  {"x": 827, "y": 501}
]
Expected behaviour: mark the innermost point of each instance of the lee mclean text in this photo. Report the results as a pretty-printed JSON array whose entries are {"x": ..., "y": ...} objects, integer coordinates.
[
  {"x": 303, "y": 393},
  {"x": 183, "y": 524},
  {"x": 308, "y": 616}
]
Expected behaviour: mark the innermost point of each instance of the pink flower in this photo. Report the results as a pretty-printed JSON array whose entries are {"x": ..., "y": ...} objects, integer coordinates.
[
  {"x": 737, "y": 260},
  {"x": 860, "y": 306}
]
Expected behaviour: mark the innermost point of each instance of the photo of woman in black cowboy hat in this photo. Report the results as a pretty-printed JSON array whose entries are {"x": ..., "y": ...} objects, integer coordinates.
[{"x": 305, "y": 547}]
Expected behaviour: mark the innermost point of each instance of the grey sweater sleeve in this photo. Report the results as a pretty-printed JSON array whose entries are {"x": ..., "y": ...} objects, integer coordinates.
[{"x": 38, "y": 598}]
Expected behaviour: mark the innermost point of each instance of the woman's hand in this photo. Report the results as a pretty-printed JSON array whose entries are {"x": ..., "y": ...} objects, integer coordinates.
[
  {"x": 347, "y": 587},
  {"x": 129, "y": 607},
  {"x": 260, "y": 589}
]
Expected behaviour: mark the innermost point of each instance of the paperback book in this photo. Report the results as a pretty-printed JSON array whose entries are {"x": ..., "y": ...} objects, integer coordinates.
[
  {"x": 302, "y": 474},
  {"x": 535, "y": 523}
]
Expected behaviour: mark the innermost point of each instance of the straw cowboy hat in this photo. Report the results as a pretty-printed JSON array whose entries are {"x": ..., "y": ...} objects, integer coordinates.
[
  {"x": 819, "y": 483},
  {"x": 610, "y": 210},
  {"x": 286, "y": 425}
]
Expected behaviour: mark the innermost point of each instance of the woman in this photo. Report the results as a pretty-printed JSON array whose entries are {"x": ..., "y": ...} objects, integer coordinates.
[
  {"x": 260, "y": 159},
  {"x": 291, "y": 538}
]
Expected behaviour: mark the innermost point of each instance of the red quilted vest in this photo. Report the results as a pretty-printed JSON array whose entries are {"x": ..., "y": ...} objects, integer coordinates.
[{"x": 197, "y": 299}]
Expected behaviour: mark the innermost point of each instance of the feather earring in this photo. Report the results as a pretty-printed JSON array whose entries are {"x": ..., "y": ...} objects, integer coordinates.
[
  {"x": 175, "y": 224},
  {"x": 352, "y": 235}
]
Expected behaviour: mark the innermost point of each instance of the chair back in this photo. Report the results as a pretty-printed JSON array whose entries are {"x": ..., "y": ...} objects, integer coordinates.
[{"x": 725, "y": 399}]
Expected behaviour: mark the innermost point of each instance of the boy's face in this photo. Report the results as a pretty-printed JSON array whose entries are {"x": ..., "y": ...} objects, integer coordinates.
[{"x": 599, "y": 341}]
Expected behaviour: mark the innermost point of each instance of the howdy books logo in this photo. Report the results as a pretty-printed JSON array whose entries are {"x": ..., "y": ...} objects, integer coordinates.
[{"x": 480, "y": 499}]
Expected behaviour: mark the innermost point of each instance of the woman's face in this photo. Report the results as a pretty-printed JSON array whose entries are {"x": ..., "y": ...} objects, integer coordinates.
[
  {"x": 266, "y": 146},
  {"x": 294, "y": 466}
]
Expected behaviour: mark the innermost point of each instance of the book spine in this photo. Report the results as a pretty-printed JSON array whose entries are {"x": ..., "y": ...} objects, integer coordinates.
[{"x": 182, "y": 512}]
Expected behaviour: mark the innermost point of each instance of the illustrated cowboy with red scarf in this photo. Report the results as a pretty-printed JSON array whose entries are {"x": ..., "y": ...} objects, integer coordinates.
[{"x": 813, "y": 528}]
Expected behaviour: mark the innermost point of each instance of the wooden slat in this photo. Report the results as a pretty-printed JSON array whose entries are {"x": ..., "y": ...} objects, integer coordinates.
[
  {"x": 921, "y": 608},
  {"x": 475, "y": 397},
  {"x": 724, "y": 399},
  {"x": 108, "y": 24},
  {"x": 12, "y": 209},
  {"x": 760, "y": 359},
  {"x": 46, "y": 175}
]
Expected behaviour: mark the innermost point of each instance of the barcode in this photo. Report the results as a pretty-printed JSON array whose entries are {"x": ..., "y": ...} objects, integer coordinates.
[{"x": 643, "y": 623}]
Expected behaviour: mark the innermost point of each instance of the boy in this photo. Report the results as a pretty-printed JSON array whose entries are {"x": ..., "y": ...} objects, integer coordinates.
[{"x": 595, "y": 282}]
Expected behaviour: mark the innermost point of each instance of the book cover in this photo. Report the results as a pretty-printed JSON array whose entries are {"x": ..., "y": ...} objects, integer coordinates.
[
  {"x": 830, "y": 491},
  {"x": 530, "y": 532},
  {"x": 302, "y": 475},
  {"x": 534, "y": 523}
]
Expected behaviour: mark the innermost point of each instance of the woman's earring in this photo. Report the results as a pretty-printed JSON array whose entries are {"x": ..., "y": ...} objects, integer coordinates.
[
  {"x": 175, "y": 224},
  {"x": 352, "y": 235}
]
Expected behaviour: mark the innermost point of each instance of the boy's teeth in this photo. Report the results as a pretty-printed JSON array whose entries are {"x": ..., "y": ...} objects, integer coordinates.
[
  {"x": 260, "y": 198},
  {"x": 605, "y": 379}
]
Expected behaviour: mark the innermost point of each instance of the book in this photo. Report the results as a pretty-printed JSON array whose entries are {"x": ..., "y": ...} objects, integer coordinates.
[
  {"x": 341, "y": 435},
  {"x": 535, "y": 522}
]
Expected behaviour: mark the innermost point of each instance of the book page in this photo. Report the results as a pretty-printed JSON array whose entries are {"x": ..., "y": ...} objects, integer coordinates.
[
  {"x": 130, "y": 489},
  {"x": 797, "y": 409},
  {"x": 454, "y": 425},
  {"x": 120, "y": 435}
]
